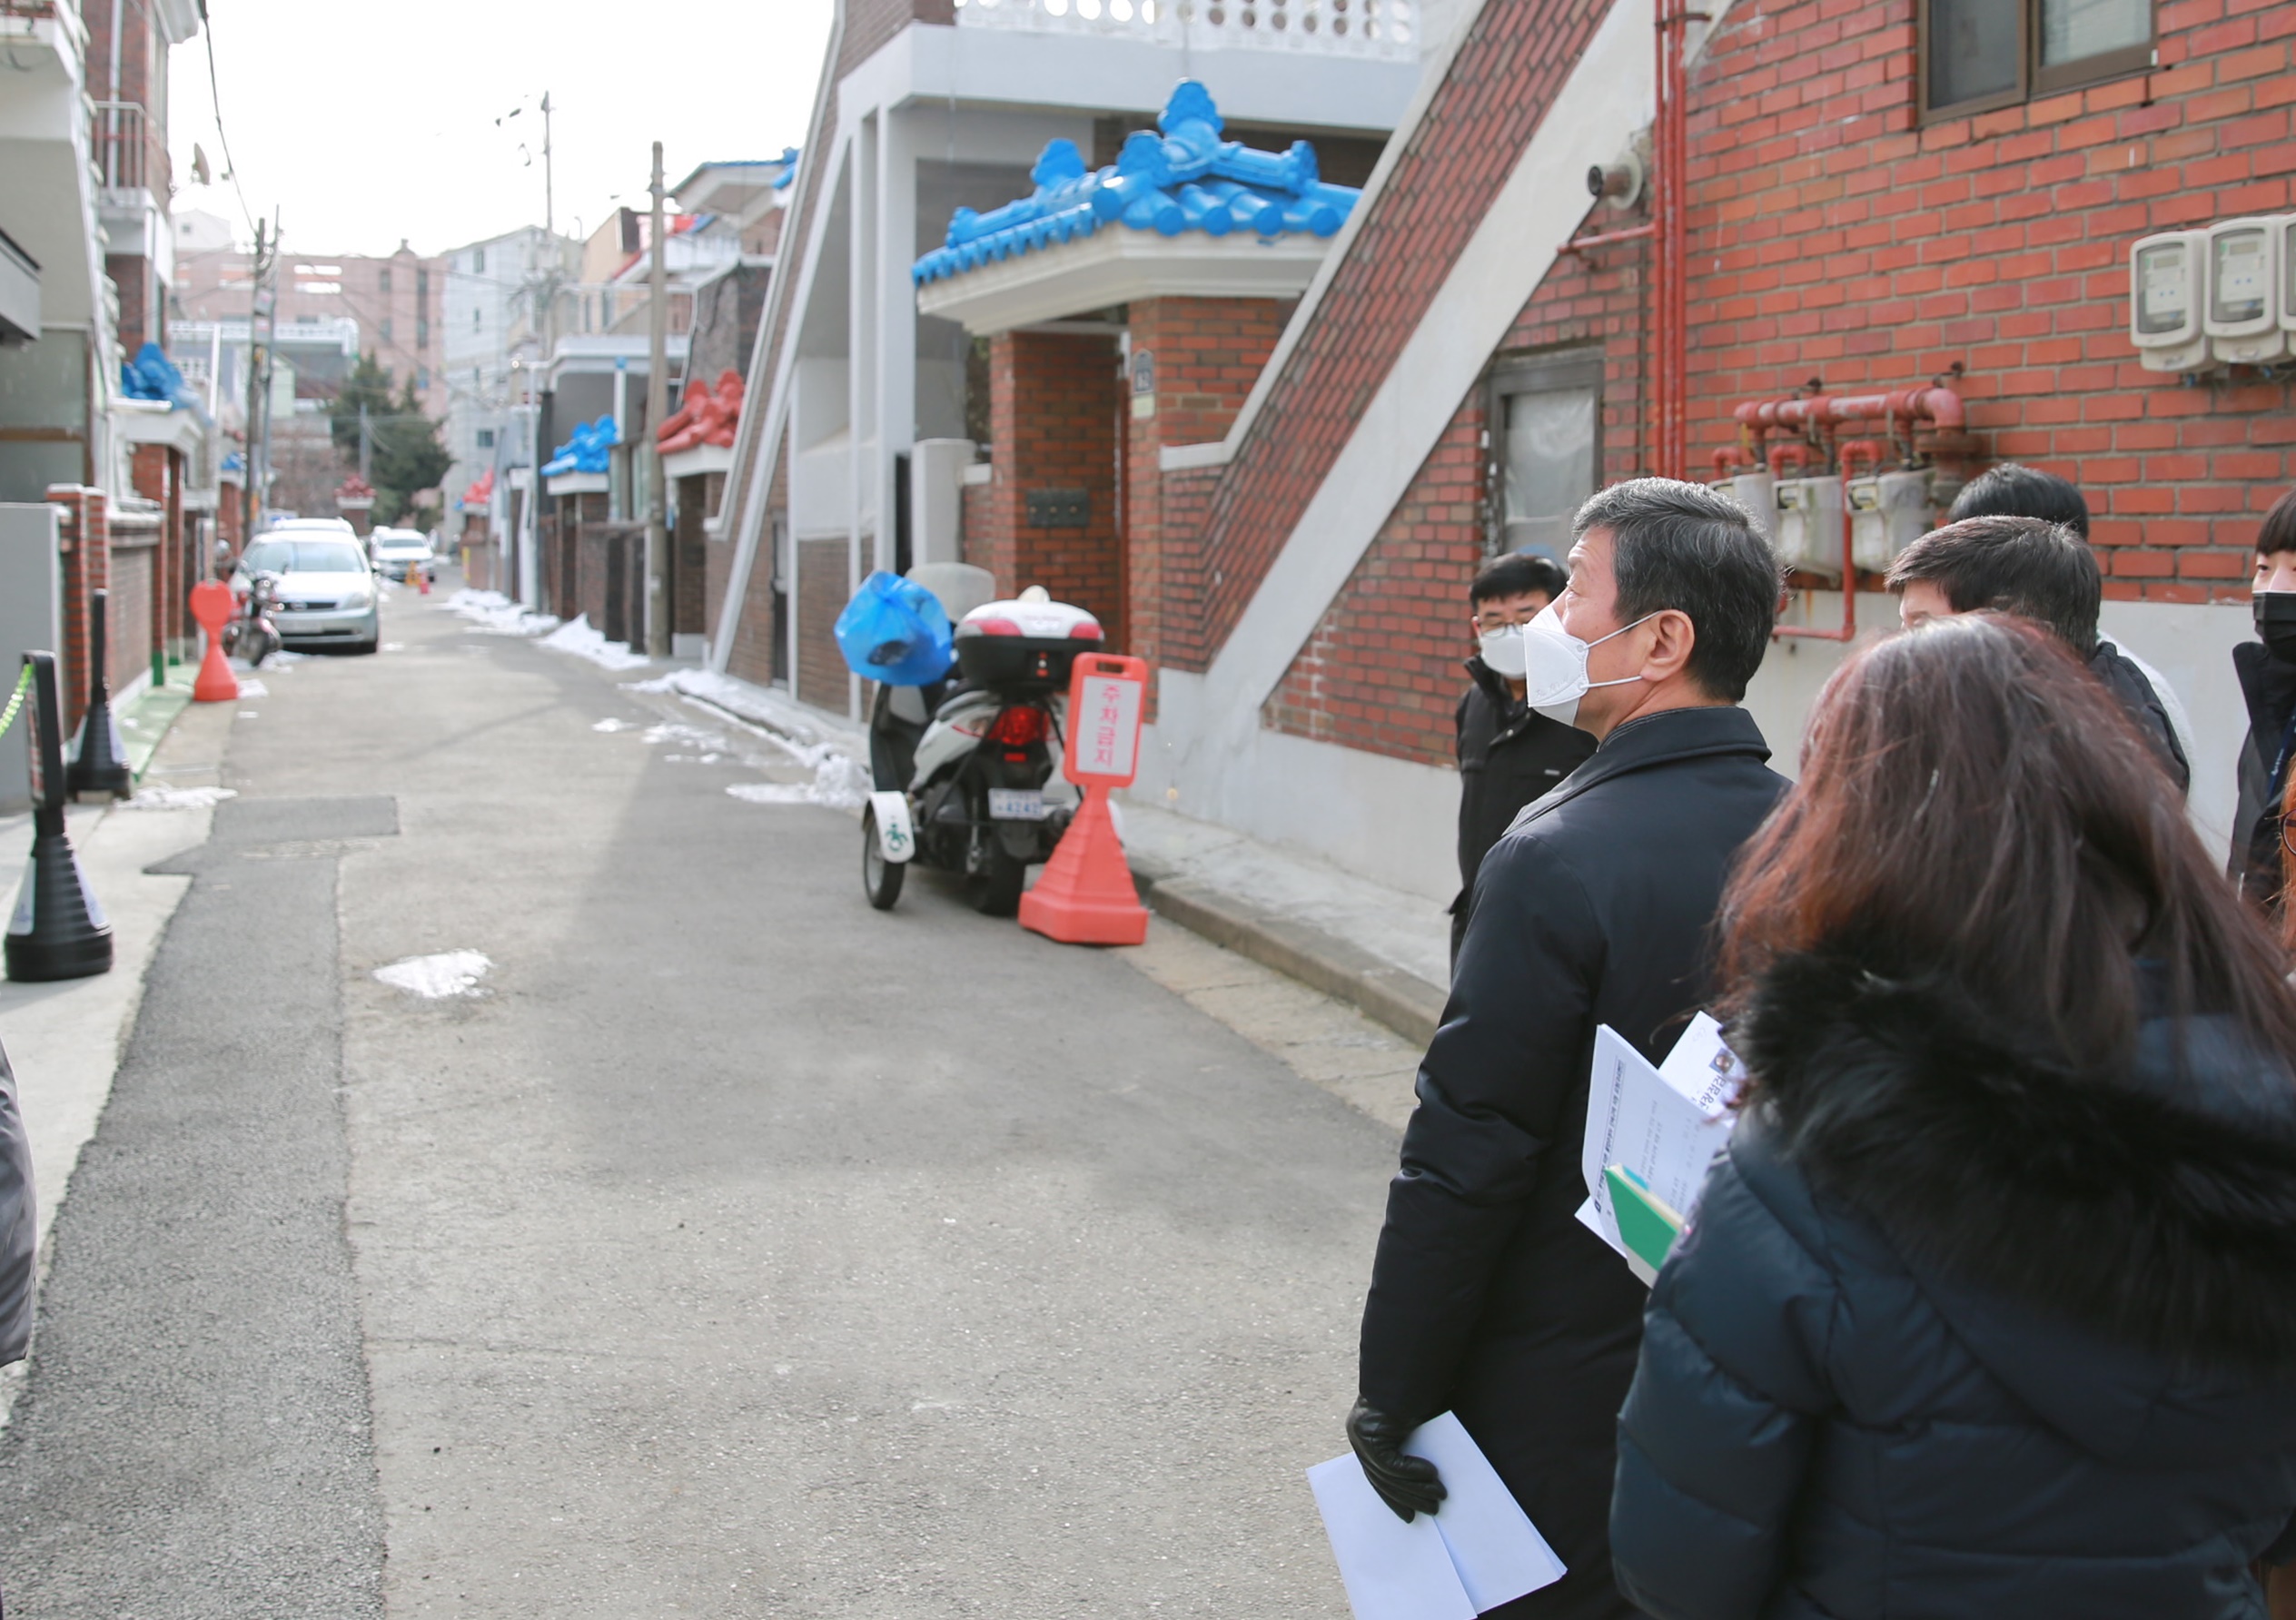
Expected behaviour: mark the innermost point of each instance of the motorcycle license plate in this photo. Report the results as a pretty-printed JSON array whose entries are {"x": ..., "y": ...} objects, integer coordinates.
[{"x": 1015, "y": 803}]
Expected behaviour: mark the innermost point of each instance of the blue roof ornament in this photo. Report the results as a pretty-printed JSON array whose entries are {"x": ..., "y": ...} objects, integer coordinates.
[
  {"x": 585, "y": 448},
  {"x": 151, "y": 375},
  {"x": 1180, "y": 177}
]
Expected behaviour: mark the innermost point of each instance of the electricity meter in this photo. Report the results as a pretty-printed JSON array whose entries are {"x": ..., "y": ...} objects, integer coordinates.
[
  {"x": 2284, "y": 232},
  {"x": 2242, "y": 313},
  {"x": 2164, "y": 301},
  {"x": 1809, "y": 536}
]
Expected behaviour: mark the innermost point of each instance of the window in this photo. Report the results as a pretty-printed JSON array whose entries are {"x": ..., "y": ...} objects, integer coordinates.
[
  {"x": 1978, "y": 54},
  {"x": 422, "y": 289},
  {"x": 382, "y": 279},
  {"x": 486, "y": 439},
  {"x": 422, "y": 379},
  {"x": 423, "y": 331},
  {"x": 477, "y": 262},
  {"x": 478, "y": 318},
  {"x": 386, "y": 329},
  {"x": 1544, "y": 427}
]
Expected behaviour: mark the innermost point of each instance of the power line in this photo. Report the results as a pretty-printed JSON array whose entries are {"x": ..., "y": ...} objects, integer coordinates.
[{"x": 215, "y": 95}]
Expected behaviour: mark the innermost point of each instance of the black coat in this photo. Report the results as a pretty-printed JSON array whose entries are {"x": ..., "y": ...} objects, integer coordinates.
[
  {"x": 1509, "y": 755},
  {"x": 2125, "y": 681},
  {"x": 1488, "y": 1297},
  {"x": 1958, "y": 1333},
  {"x": 2267, "y": 687},
  {"x": 19, "y": 1223}
]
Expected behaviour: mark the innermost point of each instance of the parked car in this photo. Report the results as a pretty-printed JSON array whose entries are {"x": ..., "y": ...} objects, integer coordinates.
[
  {"x": 326, "y": 588},
  {"x": 398, "y": 552}
]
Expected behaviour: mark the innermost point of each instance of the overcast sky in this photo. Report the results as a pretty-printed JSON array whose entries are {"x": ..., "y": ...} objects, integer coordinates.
[{"x": 365, "y": 125}]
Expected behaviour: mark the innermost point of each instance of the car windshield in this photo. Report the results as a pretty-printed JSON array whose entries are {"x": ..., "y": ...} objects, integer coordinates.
[
  {"x": 403, "y": 545},
  {"x": 303, "y": 556}
]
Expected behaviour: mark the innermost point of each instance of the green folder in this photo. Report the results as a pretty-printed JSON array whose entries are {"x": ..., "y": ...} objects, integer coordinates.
[{"x": 1646, "y": 1225}]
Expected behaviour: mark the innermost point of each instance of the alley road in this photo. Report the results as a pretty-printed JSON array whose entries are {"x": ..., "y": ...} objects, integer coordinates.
[{"x": 733, "y": 1250}]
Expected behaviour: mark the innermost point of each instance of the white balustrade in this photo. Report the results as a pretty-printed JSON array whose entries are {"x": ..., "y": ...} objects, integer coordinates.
[{"x": 1387, "y": 30}]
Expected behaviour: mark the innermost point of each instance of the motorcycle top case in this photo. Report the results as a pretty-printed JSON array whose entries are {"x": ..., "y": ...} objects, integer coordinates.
[
  {"x": 895, "y": 631},
  {"x": 1024, "y": 642}
]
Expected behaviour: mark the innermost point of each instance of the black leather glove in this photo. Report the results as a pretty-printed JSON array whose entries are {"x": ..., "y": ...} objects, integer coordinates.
[{"x": 1407, "y": 1483}]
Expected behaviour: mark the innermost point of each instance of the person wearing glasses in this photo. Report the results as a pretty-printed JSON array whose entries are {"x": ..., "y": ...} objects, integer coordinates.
[{"x": 1509, "y": 754}]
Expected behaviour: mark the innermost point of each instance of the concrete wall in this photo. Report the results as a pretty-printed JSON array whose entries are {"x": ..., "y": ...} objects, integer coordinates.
[{"x": 31, "y": 619}]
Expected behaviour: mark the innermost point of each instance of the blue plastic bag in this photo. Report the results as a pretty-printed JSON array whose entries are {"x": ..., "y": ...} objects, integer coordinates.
[{"x": 895, "y": 631}]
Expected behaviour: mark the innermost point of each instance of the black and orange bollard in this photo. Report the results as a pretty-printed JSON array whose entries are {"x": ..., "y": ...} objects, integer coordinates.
[
  {"x": 57, "y": 930},
  {"x": 99, "y": 758}
]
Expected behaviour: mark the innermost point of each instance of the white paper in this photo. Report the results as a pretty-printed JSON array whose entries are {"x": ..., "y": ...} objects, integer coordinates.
[
  {"x": 1392, "y": 1570},
  {"x": 1664, "y": 1124},
  {"x": 1498, "y": 1553}
]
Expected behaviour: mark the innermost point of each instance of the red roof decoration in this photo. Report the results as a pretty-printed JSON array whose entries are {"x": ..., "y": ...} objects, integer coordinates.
[
  {"x": 479, "y": 493},
  {"x": 705, "y": 417}
]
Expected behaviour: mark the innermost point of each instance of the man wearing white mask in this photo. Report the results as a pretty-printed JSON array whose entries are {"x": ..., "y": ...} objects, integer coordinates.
[
  {"x": 1488, "y": 1298},
  {"x": 1509, "y": 753}
]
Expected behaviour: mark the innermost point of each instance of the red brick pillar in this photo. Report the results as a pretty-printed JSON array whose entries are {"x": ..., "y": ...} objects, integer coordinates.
[
  {"x": 87, "y": 566},
  {"x": 1193, "y": 364},
  {"x": 1055, "y": 400}
]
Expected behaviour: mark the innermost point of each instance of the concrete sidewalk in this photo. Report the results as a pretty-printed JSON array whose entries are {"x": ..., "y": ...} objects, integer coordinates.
[
  {"x": 64, "y": 1039},
  {"x": 1383, "y": 950}
]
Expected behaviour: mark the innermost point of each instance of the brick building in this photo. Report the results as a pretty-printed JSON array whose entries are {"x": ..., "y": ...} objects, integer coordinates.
[
  {"x": 856, "y": 393},
  {"x": 1905, "y": 227}
]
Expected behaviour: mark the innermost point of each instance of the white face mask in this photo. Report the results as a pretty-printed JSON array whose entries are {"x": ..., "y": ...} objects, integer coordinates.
[
  {"x": 1503, "y": 651},
  {"x": 1555, "y": 666}
]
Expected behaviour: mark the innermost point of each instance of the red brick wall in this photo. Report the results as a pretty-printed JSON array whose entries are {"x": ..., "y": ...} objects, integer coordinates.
[
  {"x": 86, "y": 545},
  {"x": 1832, "y": 237},
  {"x": 1381, "y": 671},
  {"x": 822, "y": 593},
  {"x": 1510, "y": 66},
  {"x": 759, "y": 632},
  {"x": 1055, "y": 400},
  {"x": 1206, "y": 352}
]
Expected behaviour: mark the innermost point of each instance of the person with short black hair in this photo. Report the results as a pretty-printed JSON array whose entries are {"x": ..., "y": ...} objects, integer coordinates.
[
  {"x": 1488, "y": 1298},
  {"x": 2012, "y": 489},
  {"x": 2267, "y": 671},
  {"x": 1509, "y": 753},
  {"x": 2041, "y": 570}
]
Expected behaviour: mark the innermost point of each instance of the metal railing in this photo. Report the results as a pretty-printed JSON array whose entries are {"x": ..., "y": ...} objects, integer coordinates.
[
  {"x": 1394, "y": 30},
  {"x": 119, "y": 140}
]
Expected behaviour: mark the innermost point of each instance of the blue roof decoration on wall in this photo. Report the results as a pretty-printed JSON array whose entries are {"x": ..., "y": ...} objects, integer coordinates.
[
  {"x": 585, "y": 448},
  {"x": 1185, "y": 178}
]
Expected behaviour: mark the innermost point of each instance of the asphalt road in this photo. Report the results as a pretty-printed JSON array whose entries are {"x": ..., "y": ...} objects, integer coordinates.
[{"x": 735, "y": 1250}]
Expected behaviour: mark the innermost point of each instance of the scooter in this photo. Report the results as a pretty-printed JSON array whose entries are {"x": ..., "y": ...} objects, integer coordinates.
[
  {"x": 255, "y": 635},
  {"x": 961, "y": 768}
]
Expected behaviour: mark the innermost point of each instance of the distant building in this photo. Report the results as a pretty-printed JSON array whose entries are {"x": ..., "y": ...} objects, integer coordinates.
[{"x": 395, "y": 300}]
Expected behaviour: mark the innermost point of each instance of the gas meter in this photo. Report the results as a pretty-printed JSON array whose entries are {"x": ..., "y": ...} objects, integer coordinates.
[
  {"x": 1757, "y": 491},
  {"x": 2242, "y": 315},
  {"x": 1809, "y": 525},
  {"x": 1887, "y": 512},
  {"x": 2164, "y": 301}
]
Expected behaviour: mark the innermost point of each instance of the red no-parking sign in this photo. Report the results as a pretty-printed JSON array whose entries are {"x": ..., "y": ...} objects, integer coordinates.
[{"x": 1106, "y": 697}]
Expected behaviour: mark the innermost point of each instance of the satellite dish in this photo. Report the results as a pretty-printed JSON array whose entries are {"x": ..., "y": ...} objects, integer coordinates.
[{"x": 199, "y": 166}]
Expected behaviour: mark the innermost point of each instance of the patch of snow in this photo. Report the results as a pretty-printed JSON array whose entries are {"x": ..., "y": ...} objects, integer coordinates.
[
  {"x": 670, "y": 731},
  {"x": 156, "y": 797},
  {"x": 614, "y": 725},
  {"x": 491, "y": 613},
  {"x": 838, "y": 782},
  {"x": 579, "y": 639},
  {"x": 394, "y": 646},
  {"x": 433, "y": 978}
]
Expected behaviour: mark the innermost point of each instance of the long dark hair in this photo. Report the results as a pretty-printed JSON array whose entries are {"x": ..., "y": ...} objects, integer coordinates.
[{"x": 1972, "y": 803}]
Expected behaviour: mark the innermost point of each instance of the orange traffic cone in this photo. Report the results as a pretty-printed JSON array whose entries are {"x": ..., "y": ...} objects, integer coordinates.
[
  {"x": 422, "y": 579},
  {"x": 1086, "y": 897},
  {"x": 211, "y": 606}
]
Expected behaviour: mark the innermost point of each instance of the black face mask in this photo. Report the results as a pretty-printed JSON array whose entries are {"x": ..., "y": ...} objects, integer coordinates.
[{"x": 2275, "y": 613}]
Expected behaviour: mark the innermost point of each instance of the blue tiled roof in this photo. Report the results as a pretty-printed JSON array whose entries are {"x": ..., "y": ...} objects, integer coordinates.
[
  {"x": 1185, "y": 178},
  {"x": 585, "y": 448}
]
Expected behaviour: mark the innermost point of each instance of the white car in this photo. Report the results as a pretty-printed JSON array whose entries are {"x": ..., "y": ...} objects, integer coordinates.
[
  {"x": 399, "y": 552},
  {"x": 326, "y": 590}
]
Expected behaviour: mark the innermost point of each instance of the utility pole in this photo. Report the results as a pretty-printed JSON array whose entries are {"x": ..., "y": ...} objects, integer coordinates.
[
  {"x": 267, "y": 307},
  {"x": 658, "y": 603},
  {"x": 255, "y": 400},
  {"x": 366, "y": 448}
]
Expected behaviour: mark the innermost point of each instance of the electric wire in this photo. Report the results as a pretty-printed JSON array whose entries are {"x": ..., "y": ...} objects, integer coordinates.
[{"x": 215, "y": 96}]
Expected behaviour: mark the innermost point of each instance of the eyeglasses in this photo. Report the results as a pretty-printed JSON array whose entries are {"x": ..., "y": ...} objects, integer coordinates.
[
  {"x": 1488, "y": 622},
  {"x": 2287, "y": 835}
]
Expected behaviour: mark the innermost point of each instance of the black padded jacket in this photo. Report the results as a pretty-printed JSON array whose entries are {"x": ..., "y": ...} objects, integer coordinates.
[{"x": 1956, "y": 1332}]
